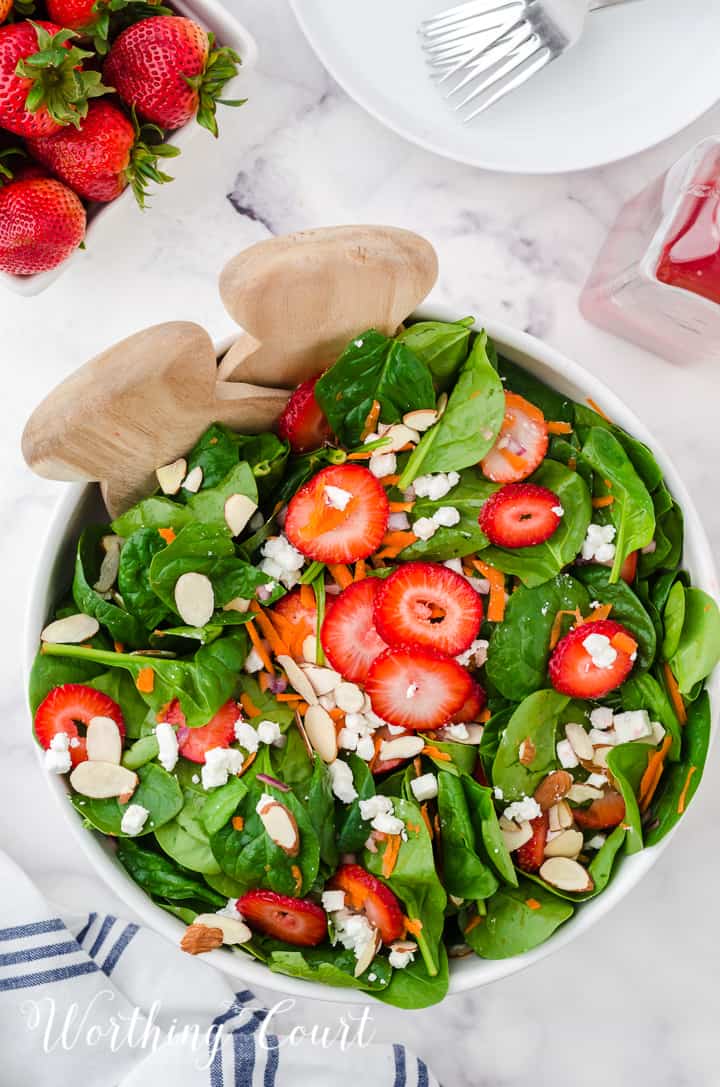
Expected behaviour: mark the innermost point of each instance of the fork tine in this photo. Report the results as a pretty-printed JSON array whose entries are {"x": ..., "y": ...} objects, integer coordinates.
[
  {"x": 489, "y": 58},
  {"x": 470, "y": 46},
  {"x": 459, "y": 14},
  {"x": 541, "y": 58},
  {"x": 516, "y": 58},
  {"x": 432, "y": 42}
]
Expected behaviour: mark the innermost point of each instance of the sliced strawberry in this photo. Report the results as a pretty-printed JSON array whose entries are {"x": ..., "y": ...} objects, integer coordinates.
[
  {"x": 218, "y": 732},
  {"x": 66, "y": 707},
  {"x": 367, "y": 894},
  {"x": 348, "y": 635},
  {"x": 521, "y": 444},
  {"x": 530, "y": 856},
  {"x": 417, "y": 688},
  {"x": 322, "y": 531},
  {"x": 303, "y": 423},
  {"x": 606, "y": 812},
  {"x": 520, "y": 515},
  {"x": 424, "y": 603},
  {"x": 571, "y": 667},
  {"x": 472, "y": 707},
  {"x": 294, "y": 920}
]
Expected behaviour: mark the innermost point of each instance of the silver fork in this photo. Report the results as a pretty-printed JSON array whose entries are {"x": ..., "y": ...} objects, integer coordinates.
[{"x": 494, "y": 46}]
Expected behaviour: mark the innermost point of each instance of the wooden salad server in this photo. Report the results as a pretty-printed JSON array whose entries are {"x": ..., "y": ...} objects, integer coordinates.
[{"x": 145, "y": 401}]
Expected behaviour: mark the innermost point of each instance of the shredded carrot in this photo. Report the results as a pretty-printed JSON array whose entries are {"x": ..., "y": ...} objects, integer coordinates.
[
  {"x": 674, "y": 691},
  {"x": 426, "y": 818},
  {"x": 602, "y": 501},
  {"x": 289, "y": 696},
  {"x": 651, "y": 778},
  {"x": 414, "y": 828},
  {"x": 417, "y": 766},
  {"x": 401, "y": 538},
  {"x": 371, "y": 421},
  {"x": 118, "y": 647},
  {"x": 513, "y": 459},
  {"x": 248, "y": 761},
  {"x": 259, "y": 647},
  {"x": 337, "y": 714},
  {"x": 686, "y": 786},
  {"x": 533, "y": 904},
  {"x": 264, "y": 681},
  {"x": 301, "y": 708},
  {"x": 307, "y": 597},
  {"x": 436, "y": 825},
  {"x": 559, "y": 428},
  {"x": 600, "y": 613},
  {"x": 597, "y": 408},
  {"x": 361, "y": 454},
  {"x": 477, "y": 920},
  {"x": 248, "y": 705},
  {"x": 168, "y": 534},
  {"x": 145, "y": 680},
  {"x": 276, "y": 643},
  {"x": 572, "y": 463},
  {"x": 238, "y": 822},
  {"x": 484, "y": 716},
  {"x": 624, "y": 643},
  {"x": 496, "y": 603},
  {"x": 390, "y": 481},
  {"x": 413, "y": 925},
  {"x": 608, "y": 484},
  {"x": 390, "y": 856},
  {"x": 297, "y": 876},
  {"x": 360, "y": 570},
  {"x": 340, "y": 574},
  {"x": 556, "y": 629},
  {"x": 436, "y": 753},
  {"x": 400, "y": 507}
]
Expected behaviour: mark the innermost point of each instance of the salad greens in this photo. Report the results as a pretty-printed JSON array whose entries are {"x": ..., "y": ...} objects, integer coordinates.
[{"x": 258, "y": 761}]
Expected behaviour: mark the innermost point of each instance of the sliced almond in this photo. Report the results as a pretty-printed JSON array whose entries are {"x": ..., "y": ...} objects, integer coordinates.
[
  {"x": 309, "y": 649},
  {"x": 110, "y": 564},
  {"x": 579, "y": 740},
  {"x": 399, "y": 435},
  {"x": 100, "y": 780},
  {"x": 297, "y": 679},
  {"x": 552, "y": 788},
  {"x": 515, "y": 835},
  {"x": 581, "y": 793},
  {"x": 193, "y": 480},
  {"x": 405, "y": 747},
  {"x": 566, "y": 875},
  {"x": 320, "y": 731},
  {"x": 421, "y": 419},
  {"x": 194, "y": 598},
  {"x": 170, "y": 476},
  {"x": 71, "y": 630},
  {"x": 238, "y": 511},
  {"x": 103, "y": 740},
  {"x": 200, "y": 938},
  {"x": 527, "y": 751},
  {"x": 367, "y": 955},
  {"x": 238, "y": 603},
  {"x": 560, "y": 816},
  {"x": 568, "y": 843},
  {"x": 473, "y": 730},
  {"x": 281, "y": 826},
  {"x": 349, "y": 698},
  {"x": 234, "y": 930},
  {"x": 405, "y": 947},
  {"x": 323, "y": 680}
]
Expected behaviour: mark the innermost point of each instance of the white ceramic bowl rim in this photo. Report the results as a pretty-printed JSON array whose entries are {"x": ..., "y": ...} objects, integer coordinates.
[{"x": 471, "y": 972}]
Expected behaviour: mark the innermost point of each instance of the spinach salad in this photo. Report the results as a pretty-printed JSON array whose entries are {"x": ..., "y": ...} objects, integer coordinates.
[{"x": 400, "y": 683}]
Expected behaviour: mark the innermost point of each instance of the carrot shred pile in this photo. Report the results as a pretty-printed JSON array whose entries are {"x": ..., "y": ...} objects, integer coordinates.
[
  {"x": 390, "y": 856},
  {"x": 259, "y": 647},
  {"x": 496, "y": 602},
  {"x": 277, "y": 644},
  {"x": 340, "y": 574},
  {"x": 674, "y": 691}
]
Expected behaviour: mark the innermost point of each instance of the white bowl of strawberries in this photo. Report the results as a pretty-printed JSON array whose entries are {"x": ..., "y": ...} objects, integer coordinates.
[{"x": 84, "y": 116}]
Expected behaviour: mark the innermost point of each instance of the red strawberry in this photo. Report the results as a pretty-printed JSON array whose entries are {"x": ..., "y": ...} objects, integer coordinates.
[
  {"x": 424, "y": 603},
  {"x": 417, "y": 688},
  {"x": 218, "y": 732},
  {"x": 299, "y": 616},
  {"x": 530, "y": 856},
  {"x": 521, "y": 445},
  {"x": 91, "y": 18},
  {"x": 472, "y": 707},
  {"x": 571, "y": 667},
  {"x": 303, "y": 422},
  {"x": 520, "y": 515},
  {"x": 41, "y": 223},
  {"x": 318, "y": 529},
  {"x": 367, "y": 894},
  {"x": 63, "y": 708},
  {"x": 348, "y": 635},
  {"x": 166, "y": 69},
  {"x": 294, "y": 920},
  {"x": 42, "y": 84},
  {"x": 104, "y": 154},
  {"x": 604, "y": 813}
]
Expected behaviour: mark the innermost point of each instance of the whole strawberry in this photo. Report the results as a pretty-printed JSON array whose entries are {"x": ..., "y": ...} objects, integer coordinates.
[
  {"x": 41, "y": 223},
  {"x": 104, "y": 155},
  {"x": 91, "y": 18},
  {"x": 42, "y": 84},
  {"x": 166, "y": 69}
]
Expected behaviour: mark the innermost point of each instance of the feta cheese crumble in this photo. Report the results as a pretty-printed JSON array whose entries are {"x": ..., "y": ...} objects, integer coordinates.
[
  {"x": 632, "y": 725},
  {"x": 566, "y": 755},
  {"x": 424, "y": 528},
  {"x": 435, "y": 486},
  {"x": 332, "y": 901},
  {"x": 134, "y": 819},
  {"x": 246, "y": 736},
  {"x": 341, "y": 780},
  {"x": 382, "y": 464},
  {"x": 475, "y": 654},
  {"x": 523, "y": 811},
  {"x": 268, "y": 732},
  {"x": 558, "y": 510},
  {"x": 425, "y": 787},
  {"x": 219, "y": 763},
  {"x": 57, "y": 757},
  {"x": 600, "y": 650},
  {"x": 353, "y": 931},
  {"x": 601, "y": 717},
  {"x": 597, "y": 545},
  {"x": 446, "y": 516},
  {"x": 281, "y": 560},
  {"x": 400, "y": 959},
  {"x": 167, "y": 744},
  {"x": 253, "y": 662}
]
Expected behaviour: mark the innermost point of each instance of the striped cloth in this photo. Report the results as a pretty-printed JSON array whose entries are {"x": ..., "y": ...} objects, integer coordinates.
[{"x": 95, "y": 1001}]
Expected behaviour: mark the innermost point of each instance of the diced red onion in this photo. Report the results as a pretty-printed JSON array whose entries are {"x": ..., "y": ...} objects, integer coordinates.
[
  {"x": 267, "y": 780},
  {"x": 277, "y": 684}
]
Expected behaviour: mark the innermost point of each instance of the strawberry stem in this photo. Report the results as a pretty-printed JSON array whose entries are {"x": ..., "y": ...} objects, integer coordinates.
[
  {"x": 222, "y": 66},
  {"x": 58, "y": 82},
  {"x": 6, "y": 173},
  {"x": 143, "y": 166}
]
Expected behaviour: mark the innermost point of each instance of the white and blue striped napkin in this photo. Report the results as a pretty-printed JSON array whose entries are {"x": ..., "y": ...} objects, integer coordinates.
[{"x": 95, "y": 1001}]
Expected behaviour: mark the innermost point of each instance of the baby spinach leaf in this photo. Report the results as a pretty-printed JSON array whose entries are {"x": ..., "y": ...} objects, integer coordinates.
[
  {"x": 120, "y": 687},
  {"x": 465, "y": 538},
  {"x": 370, "y": 368},
  {"x": 221, "y": 883},
  {"x": 187, "y": 848},
  {"x": 698, "y": 649},
  {"x": 155, "y": 512},
  {"x": 645, "y": 693},
  {"x": 123, "y": 626},
  {"x": 673, "y": 619},
  {"x": 552, "y": 404},
  {"x": 320, "y": 804},
  {"x": 208, "y": 505},
  {"x": 487, "y": 828},
  {"x": 216, "y": 453},
  {"x": 157, "y": 791},
  {"x": 465, "y": 874},
  {"x": 267, "y": 457},
  {"x": 511, "y": 927},
  {"x": 536, "y": 718},
  {"x": 627, "y": 764},
  {"x": 221, "y": 804},
  {"x": 330, "y": 966},
  {"x": 520, "y": 646},
  {"x": 470, "y": 424},
  {"x": 134, "y": 577},
  {"x": 632, "y": 511},
  {"x": 679, "y": 783},
  {"x": 461, "y": 757},
  {"x": 49, "y": 672},
  {"x": 159, "y": 875},
  {"x": 414, "y": 987},
  {"x": 491, "y": 736},
  {"x": 352, "y": 829},
  {"x": 626, "y": 609},
  {"x": 441, "y": 345},
  {"x": 641, "y": 457},
  {"x": 534, "y": 565}
]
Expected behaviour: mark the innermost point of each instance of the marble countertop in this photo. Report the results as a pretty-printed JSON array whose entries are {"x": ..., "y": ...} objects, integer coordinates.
[{"x": 632, "y": 1002}]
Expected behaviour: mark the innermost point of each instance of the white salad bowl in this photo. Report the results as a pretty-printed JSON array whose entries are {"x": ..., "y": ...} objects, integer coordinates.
[{"x": 81, "y": 504}]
